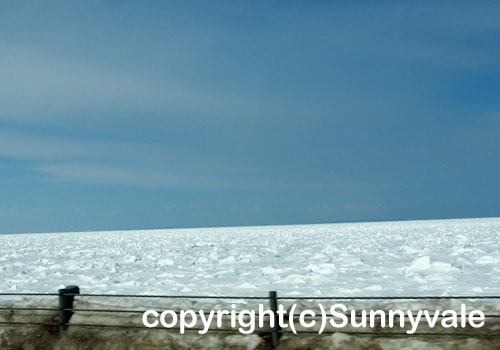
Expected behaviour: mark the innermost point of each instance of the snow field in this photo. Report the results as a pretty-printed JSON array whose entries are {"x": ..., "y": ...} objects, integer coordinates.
[
  {"x": 443, "y": 257},
  {"x": 391, "y": 258}
]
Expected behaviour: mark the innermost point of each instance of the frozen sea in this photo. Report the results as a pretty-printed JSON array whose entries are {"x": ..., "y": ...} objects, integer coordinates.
[{"x": 440, "y": 257}]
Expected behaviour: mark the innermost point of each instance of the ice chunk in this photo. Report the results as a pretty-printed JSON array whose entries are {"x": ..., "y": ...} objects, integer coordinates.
[
  {"x": 165, "y": 262},
  {"x": 375, "y": 288},
  {"x": 485, "y": 260},
  {"x": 229, "y": 260},
  {"x": 420, "y": 264}
]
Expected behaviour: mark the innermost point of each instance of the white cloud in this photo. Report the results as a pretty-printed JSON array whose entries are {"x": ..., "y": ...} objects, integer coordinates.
[
  {"x": 36, "y": 84},
  {"x": 139, "y": 174},
  {"x": 29, "y": 146},
  {"x": 124, "y": 163}
]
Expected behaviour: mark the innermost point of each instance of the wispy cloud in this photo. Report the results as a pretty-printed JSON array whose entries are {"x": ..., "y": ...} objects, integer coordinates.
[
  {"x": 292, "y": 106},
  {"x": 45, "y": 88},
  {"x": 126, "y": 163},
  {"x": 146, "y": 175}
]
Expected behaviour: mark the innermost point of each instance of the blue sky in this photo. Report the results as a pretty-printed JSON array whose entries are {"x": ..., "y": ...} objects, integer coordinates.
[{"x": 130, "y": 115}]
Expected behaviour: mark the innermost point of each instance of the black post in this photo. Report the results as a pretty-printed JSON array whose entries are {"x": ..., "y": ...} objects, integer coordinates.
[
  {"x": 276, "y": 330},
  {"x": 66, "y": 306}
]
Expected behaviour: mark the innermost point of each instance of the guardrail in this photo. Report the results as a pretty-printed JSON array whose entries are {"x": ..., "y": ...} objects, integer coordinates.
[{"x": 66, "y": 310}]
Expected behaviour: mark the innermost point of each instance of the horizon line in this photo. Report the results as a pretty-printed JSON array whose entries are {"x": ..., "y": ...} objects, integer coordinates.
[{"x": 243, "y": 226}]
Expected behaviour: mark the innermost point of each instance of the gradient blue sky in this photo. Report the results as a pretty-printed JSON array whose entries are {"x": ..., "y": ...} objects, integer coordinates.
[{"x": 130, "y": 115}]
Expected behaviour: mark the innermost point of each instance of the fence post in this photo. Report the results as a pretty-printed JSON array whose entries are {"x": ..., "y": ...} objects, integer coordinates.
[
  {"x": 276, "y": 330},
  {"x": 65, "y": 303}
]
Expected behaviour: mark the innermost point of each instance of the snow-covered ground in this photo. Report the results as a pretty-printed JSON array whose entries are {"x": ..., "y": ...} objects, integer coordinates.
[
  {"x": 447, "y": 257},
  {"x": 442, "y": 257}
]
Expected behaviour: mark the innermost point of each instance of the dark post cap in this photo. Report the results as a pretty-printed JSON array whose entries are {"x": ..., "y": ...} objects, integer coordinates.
[{"x": 72, "y": 289}]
